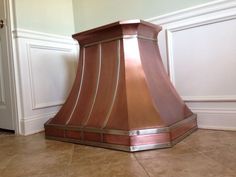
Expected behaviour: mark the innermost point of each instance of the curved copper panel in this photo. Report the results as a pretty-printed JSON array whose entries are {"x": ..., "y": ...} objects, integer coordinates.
[
  {"x": 91, "y": 59},
  {"x": 141, "y": 111},
  {"x": 64, "y": 113},
  {"x": 118, "y": 119},
  {"x": 108, "y": 84},
  {"x": 122, "y": 97},
  {"x": 169, "y": 105}
]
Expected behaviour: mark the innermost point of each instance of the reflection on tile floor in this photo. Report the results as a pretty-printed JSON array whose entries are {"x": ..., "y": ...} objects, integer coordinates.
[{"x": 205, "y": 153}]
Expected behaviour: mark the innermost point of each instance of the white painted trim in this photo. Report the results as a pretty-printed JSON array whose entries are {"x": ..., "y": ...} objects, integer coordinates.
[
  {"x": 217, "y": 119},
  {"x": 33, "y": 114},
  {"x": 10, "y": 21},
  {"x": 21, "y": 125},
  {"x": 192, "y": 12},
  {"x": 34, "y": 124},
  {"x": 208, "y": 127},
  {"x": 179, "y": 27},
  {"x": 29, "y": 34},
  {"x": 35, "y": 45}
]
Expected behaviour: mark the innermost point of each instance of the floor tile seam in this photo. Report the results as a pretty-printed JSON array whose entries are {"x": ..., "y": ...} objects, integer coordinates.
[
  {"x": 144, "y": 169},
  {"x": 70, "y": 161},
  {"x": 215, "y": 149},
  {"x": 194, "y": 149},
  {"x": 191, "y": 147},
  {"x": 213, "y": 160},
  {"x": 222, "y": 144},
  {"x": 169, "y": 155},
  {"x": 6, "y": 166}
]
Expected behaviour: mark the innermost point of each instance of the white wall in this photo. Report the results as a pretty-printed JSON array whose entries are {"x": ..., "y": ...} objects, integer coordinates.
[
  {"x": 90, "y": 13},
  {"x": 47, "y": 65},
  {"x": 197, "y": 47},
  {"x": 49, "y": 16}
]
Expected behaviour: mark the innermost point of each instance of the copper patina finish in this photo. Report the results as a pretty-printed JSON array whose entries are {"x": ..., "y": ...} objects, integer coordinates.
[{"x": 122, "y": 97}]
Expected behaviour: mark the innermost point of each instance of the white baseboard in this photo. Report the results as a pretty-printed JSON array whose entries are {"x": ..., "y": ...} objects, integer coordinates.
[
  {"x": 223, "y": 128},
  {"x": 32, "y": 125},
  {"x": 216, "y": 120}
]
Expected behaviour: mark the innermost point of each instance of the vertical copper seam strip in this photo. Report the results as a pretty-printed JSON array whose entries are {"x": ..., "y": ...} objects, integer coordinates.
[
  {"x": 80, "y": 88},
  {"x": 168, "y": 55},
  {"x": 84, "y": 123},
  {"x": 116, "y": 87}
]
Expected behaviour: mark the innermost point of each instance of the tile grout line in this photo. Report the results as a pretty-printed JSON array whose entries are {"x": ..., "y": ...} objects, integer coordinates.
[
  {"x": 213, "y": 160},
  {"x": 141, "y": 165},
  {"x": 5, "y": 168},
  {"x": 204, "y": 154},
  {"x": 69, "y": 162}
]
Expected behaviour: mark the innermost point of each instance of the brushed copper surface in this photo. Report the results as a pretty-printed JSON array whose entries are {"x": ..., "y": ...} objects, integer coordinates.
[
  {"x": 121, "y": 87},
  {"x": 73, "y": 134},
  {"x": 150, "y": 139},
  {"x": 108, "y": 82},
  {"x": 178, "y": 131},
  {"x": 116, "y": 139}
]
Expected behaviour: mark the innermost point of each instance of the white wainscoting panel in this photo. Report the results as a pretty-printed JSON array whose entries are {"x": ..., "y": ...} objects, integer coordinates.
[
  {"x": 50, "y": 69},
  {"x": 197, "y": 47},
  {"x": 47, "y": 67},
  {"x": 199, "y": 51},
  {"x": 205, "y": 57}
]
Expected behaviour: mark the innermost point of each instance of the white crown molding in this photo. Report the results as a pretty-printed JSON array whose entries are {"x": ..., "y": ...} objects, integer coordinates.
[
  {"x": 29, "y": 34},
  {"x": 199, "y": 10}
]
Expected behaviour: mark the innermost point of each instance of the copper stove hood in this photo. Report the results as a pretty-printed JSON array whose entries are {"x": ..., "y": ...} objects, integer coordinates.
[{"x": 122, "y": 97}]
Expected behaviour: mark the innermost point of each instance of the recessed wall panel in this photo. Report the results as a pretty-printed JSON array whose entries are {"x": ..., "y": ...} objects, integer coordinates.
[
  {"x": 204, "y": 61},
  {"x": 51, "y": 73}
]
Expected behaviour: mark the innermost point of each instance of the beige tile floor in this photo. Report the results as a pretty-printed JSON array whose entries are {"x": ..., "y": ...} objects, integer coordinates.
[{"x": 205, "y": 153}]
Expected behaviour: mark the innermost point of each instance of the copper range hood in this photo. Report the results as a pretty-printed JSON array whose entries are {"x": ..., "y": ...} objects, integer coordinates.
[{"x": 122, "y": 97}]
